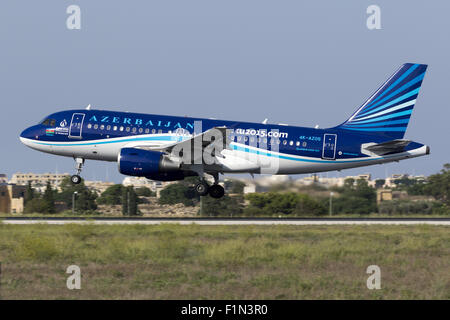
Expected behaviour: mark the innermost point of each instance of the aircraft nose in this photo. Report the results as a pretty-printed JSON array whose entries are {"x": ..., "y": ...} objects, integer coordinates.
[{"x": 28, "y": 134}]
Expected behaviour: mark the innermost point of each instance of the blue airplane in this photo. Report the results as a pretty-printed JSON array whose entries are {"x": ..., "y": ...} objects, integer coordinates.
[{"x": 169, "y": 148}]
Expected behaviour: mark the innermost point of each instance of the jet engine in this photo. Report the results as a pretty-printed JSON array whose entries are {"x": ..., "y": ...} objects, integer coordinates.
[{"x": 145, "y": 163}]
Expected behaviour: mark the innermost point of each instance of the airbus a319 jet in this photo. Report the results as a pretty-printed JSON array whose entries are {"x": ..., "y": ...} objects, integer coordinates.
[{"x": 169, "y": 148}]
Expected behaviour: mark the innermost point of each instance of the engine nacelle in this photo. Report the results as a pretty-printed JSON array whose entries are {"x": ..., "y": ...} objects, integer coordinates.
[{"x": 143, "y": 163}]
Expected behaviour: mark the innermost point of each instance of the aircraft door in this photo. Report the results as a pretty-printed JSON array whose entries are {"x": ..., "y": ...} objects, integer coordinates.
[
  {"x": 329, "y": 146},
  {"x": 76, "y": 126}
]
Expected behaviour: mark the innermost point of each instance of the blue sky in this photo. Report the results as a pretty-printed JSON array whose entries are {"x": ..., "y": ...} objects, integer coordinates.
[{"x": 297, "y": 62}]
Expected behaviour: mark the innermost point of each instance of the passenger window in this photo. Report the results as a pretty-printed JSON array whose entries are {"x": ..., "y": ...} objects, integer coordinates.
[
  {"x": 153, "y": 130},
  {"x": 285, "y": 142},
  {"x": 115, "y": 128},
  {"x": 127, "y": 129},
  {"x": 291, "y": 143},
  {"x": 297, "y": 143},
  {"x": 134, "y": 130},
  {"x": 95, "y": 126},
  {"x": 89, "y": 126},
  {"x": 239, "y": 138},
  {"x": 121, "y": 129},
  {"x": 141, "y": 130},
  {"x": 108, "y": 127},
  {"x": 102, "y": 127},
  {"x": 147, "y": 130},
  {"x": 159, "y": 131}
]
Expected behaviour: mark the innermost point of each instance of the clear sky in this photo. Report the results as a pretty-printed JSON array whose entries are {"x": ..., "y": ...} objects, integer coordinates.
[{"x": 297, "y": 62}]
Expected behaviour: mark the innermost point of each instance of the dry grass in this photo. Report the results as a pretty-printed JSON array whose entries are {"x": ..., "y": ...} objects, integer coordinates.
[{"x": 224, "y": 262}]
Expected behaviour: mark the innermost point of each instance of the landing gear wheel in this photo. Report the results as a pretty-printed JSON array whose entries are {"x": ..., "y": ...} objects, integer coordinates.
[
  {"x": 76, "y": 179},
  {"x": 202, "y": 188},
  {"x": 216, "y": 191}
]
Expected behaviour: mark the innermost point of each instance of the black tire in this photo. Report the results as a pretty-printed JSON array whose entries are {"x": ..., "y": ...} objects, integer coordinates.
[
  {"x": 202, "y": 188},
  {"x": 216, "y": 191},
  {"x": 76, "y": 179}
]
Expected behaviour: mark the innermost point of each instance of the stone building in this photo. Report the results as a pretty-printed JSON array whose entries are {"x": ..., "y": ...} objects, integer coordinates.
[
  {"x": 3, "y": 178},
  {"x": 39, "y": 180},
  {"x": 12, "y": 198}
]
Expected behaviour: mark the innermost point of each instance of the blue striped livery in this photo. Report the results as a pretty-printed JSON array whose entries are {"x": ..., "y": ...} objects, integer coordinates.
[{"x": 389, "y": 109}]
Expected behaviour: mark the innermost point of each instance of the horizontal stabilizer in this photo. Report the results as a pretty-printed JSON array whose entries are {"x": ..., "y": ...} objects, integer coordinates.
[{"x": 392, "y": 146}]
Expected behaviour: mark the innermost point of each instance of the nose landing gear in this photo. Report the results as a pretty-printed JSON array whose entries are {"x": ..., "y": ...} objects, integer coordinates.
[{"x": 76, "y": 178}]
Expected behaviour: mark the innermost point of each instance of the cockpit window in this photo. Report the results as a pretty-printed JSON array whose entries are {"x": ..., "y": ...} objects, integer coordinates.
[{"x": 49, "y": 122}]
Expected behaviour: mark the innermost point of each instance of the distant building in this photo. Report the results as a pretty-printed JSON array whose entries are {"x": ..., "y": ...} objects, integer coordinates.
[
  {"x": 250, "y": 187},
  {"x": 39, "y": 180},
  {"x": 3, "y": 178},
  {"x": 98, "y": 186},
  {"x": 138, "y": 182},
  {"x": 330, "y": 182},
  {"x": 384, "y": 195},
  {"x": 393, "y": 180},
  {"x": 268, "y": 181},
  {"x": 12, "y": 198}
]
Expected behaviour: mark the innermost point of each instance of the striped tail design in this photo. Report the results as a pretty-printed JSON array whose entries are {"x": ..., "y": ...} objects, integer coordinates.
[{"x": 388, "y": 110}]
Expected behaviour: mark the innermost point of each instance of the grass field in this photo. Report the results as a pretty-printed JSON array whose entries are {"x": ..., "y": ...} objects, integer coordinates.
[{"x": 224, "y": 262}]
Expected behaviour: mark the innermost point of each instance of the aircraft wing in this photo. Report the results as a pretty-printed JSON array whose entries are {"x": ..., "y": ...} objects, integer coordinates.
[
  {"x": 195, "y": 145},
  {"x": 392, "y": 146}
]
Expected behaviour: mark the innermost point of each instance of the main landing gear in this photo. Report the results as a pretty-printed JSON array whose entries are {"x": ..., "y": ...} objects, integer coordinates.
[
  {"x": 215, "y": 191},
  {"x": 76, "y": 179}
]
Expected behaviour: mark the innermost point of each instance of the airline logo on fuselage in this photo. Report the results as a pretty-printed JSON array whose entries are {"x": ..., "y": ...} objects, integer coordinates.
[{"x": 140, "y": 122}]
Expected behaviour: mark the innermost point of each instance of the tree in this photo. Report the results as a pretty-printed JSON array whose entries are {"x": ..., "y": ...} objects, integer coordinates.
[
  {"x": 308, "y": 206},
  {"x": 178, "y": 193},
  {"x": 129, "y": 201},
  {"x": 124, "y": 201},
  {"x": 438, "y": 185},
  {"x": 112, "y": 195},
  {"x": 357, "y": 198},
  {"x": 29, "y": 193},
  {"x": 84, "y": 200},
  {"x": 234, "y": 186},
  {"x": 145, "y": 192},
  {"x": 349, "y": 183},
  {"x": 225, "y": 206},
  {"x": 273, "y": 203},
  {"x": 379, "y": 183},
  {"x": 48, "y": 198},
  {"x": 133, "y": 202},
  {"x": 35, "y": 205}
]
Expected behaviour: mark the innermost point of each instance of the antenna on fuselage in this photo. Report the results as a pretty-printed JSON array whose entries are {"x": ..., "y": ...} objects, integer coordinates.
[
  {"x": 88, "y": 107},
  {"x": 265, "y": 121},
  {"x": 316, "y": 126}
]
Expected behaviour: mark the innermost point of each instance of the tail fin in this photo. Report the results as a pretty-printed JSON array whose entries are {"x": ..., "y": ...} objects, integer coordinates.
[{"x": 388, "y": 110}]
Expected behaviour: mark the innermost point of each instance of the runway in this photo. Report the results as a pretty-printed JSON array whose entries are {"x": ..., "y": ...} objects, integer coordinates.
[{"x": 227, "y": 221}]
